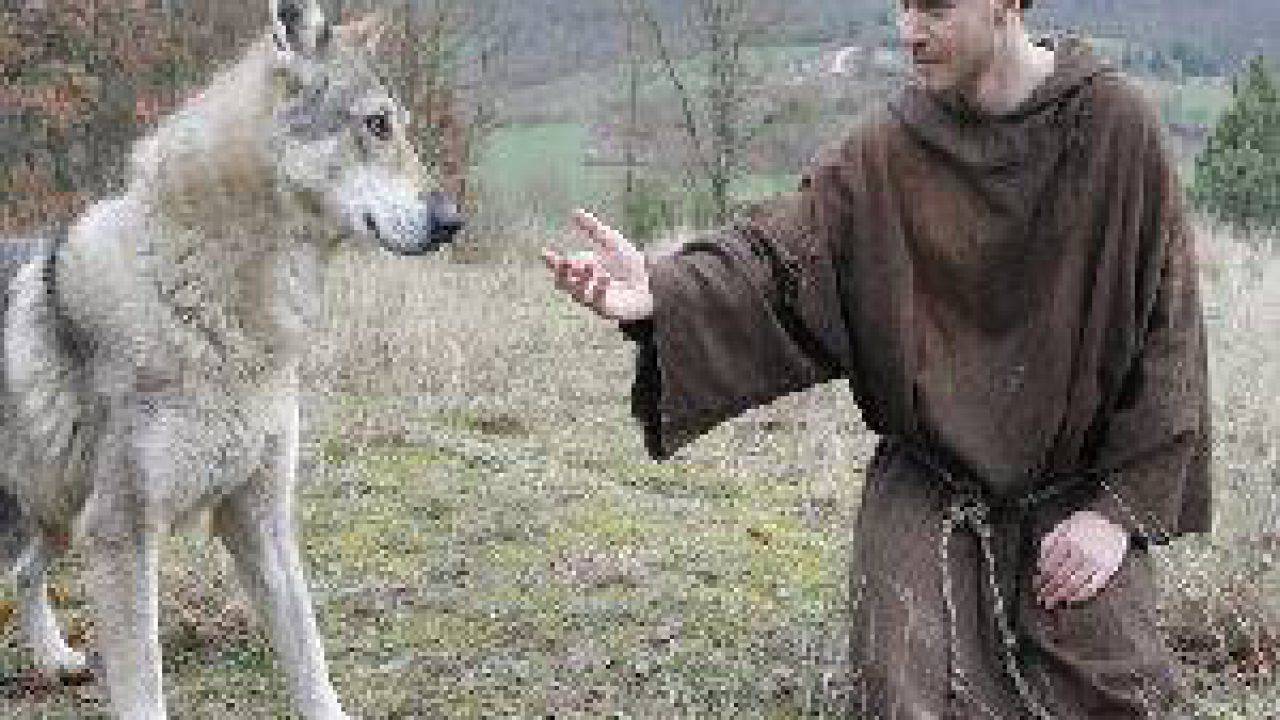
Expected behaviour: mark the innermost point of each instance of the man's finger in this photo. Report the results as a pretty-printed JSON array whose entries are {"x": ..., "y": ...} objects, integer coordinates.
[
  {"x": 1074, "y": 586},
  {"x": 552, "y": 259},
  {"x": 1055, "y": 552},
  {"x": 1070, "y": 583},
  {"x": 580, "y": 278},
  {"x": 598, "y": 294},
  {"x": 561, "y": 269},
  {"x": 561, "y": 275},
  {"x": 1058, "y": 577},
  {"x": 601, "y": 234},
  {"x": 1091, "y": 587},
  {"x": 579, "y": 271},
  {"x": 1050, "y": 541},
  {"x": 569, "y": 280}
]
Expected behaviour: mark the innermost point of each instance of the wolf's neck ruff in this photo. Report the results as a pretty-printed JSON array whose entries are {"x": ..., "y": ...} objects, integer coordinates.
[{"x": 207, "y": 167}]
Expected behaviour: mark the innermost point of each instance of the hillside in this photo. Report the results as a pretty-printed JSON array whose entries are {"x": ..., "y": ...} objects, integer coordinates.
[{"x": 555, "y": 37}]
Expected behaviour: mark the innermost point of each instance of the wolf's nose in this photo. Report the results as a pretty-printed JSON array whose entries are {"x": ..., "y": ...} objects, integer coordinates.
[
  {"x": 445, "y": 219},
  {"x": 446, "y": 228}
]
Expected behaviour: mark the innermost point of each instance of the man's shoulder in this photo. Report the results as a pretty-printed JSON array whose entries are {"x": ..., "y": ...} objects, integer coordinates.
[
  {"x": 1122, "y": 102},
  {"x": 871, "y": 128}
]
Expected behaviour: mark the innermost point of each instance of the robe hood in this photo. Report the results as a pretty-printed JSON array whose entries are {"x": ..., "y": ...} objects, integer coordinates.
[{"x": 998, "y": 146}]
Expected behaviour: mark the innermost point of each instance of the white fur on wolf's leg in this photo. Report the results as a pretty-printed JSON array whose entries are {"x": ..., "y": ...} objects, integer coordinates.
[
  {"x": 40, "y": 626},
  {"x": 255, "y": 524},
  {"x": 122, "y": 581}
]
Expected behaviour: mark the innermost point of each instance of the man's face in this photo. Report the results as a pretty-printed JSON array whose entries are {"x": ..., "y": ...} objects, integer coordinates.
[{"x": 949, "y": 43}]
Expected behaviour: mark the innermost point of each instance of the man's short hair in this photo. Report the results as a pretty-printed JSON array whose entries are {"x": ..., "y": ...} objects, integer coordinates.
[{"x": 1025, "y": 4}]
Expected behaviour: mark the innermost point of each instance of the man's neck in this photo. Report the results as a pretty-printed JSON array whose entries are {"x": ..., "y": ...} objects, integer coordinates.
[{"x": 1017, "y": 68}]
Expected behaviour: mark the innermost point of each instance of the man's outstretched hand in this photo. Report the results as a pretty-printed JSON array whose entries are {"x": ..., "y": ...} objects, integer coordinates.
[
  {"x": 611, "y": 279},
  {"x": 1078, "y": 558}
]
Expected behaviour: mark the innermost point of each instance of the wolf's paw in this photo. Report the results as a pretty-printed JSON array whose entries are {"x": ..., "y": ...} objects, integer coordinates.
[{"x": 62, "y": 661}]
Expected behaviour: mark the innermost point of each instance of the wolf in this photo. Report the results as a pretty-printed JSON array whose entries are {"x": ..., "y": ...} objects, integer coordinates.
[{"x": 150, "y": 355}]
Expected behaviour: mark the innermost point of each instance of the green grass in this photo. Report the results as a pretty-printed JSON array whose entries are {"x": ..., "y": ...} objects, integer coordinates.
[
  {"x": 541, "y": 170},
  {"x": 498, "y": 545},
  {"x": 756, "y": 187},
  {"x": 453, "y": 586},
  {"x": 485, "y": 537}
]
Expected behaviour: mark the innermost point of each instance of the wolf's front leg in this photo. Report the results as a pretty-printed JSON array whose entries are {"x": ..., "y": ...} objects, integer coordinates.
[
  {"x": 39, "y": 624},
  {"x": 122, "y": 582},
  {"x": 256, "y": 525}
]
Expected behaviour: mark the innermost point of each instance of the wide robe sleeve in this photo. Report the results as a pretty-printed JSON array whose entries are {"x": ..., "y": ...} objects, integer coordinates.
[
  {"x": 1157, "y": 436},
  {"x": 743, "y": 316}
]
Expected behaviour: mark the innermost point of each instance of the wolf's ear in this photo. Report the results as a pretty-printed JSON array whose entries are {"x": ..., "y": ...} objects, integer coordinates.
[
  {"x": 299, "y": 26},
  {"x": 366, "y": 32}
]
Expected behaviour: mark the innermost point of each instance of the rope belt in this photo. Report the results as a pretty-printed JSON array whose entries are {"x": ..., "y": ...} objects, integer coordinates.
[{"x": 970, "y": 508}]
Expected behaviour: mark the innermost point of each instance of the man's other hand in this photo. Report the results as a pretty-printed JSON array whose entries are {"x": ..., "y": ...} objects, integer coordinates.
[{"x": 1078, "y": 558}]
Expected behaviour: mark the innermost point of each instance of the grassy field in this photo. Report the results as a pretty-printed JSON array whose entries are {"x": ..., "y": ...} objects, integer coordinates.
[
  {"x": 540, "y": 172},
  {"x": 486, "y": 538},
  {"x": 531, "y": 177}
]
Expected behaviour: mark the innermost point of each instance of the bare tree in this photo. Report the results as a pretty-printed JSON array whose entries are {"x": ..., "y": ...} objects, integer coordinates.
[
  {"x": 712, "y": 115},
  {"x": 445, "y": 53},
  {"x": 683, "y": 95},
  {"x": 633, "y": 80},
  {"x": 724, "y": 25}
]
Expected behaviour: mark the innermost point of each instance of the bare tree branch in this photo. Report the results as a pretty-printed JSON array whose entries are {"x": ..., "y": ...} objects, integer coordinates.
[{"x": 682, "y": 92}]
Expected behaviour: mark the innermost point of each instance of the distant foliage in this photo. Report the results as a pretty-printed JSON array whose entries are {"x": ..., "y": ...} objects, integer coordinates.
[
  {"x": 1237, "y": 175},
  {"x": 81, "y": 80}
]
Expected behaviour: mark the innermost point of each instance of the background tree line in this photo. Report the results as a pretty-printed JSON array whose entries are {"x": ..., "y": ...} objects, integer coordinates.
[{"x": 665, "y": 114}]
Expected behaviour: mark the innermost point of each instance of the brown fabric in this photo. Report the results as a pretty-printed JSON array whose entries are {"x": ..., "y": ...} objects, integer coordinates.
[
  {"x": 1098, "y": 660},
  {"x": 1018, "y": 292}
]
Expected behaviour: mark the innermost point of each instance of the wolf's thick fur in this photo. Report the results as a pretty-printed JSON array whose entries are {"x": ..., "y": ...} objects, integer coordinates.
[{"x": 149, "y": 361}]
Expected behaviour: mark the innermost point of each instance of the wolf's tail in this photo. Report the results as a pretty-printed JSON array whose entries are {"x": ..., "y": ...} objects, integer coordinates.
[
  {"x": 15, "y": 530},
  {"x": 15, "y": 535}
]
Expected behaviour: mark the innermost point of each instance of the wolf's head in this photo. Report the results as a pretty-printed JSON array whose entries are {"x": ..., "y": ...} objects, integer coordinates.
[{"x": 339, "y": 138}]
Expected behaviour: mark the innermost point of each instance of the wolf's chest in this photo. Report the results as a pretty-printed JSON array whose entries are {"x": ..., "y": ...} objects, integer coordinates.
[{"x": 189, "y": 457}]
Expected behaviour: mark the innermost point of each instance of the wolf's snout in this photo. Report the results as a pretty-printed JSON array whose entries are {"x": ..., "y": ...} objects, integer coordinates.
[{"x": 432, "y": 222}]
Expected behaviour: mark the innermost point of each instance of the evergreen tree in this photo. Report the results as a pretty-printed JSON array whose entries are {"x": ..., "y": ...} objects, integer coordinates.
[{"x": 1238, "y": 174}]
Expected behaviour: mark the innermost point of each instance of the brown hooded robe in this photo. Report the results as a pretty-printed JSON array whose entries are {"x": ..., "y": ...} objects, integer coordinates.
[{"x": 1015, "y": 295}]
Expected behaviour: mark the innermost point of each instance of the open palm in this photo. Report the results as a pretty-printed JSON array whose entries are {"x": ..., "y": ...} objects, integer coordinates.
[{"x": 611, "y": 279}]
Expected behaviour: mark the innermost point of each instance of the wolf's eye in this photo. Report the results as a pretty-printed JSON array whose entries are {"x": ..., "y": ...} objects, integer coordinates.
[{"x": 379, "y": 125}]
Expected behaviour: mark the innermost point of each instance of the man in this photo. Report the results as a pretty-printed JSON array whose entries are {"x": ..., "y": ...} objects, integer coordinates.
[{"x": 1000, "y": 265}]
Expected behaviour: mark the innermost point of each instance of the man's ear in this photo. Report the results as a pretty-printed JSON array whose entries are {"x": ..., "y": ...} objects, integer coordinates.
[
  {"x": 298, "y": 27},
  {"x": 364, "y": 33}
]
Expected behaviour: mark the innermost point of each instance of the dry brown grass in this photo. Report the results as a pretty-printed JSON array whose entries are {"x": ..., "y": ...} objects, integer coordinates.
[
  {"x": 1220, "y": 595},
  {"x": 486, "y": 536},
  {"x": 498, "y": 334}
]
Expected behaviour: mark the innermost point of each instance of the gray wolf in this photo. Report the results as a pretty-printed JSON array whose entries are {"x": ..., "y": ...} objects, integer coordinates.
[{"x": 150, "y": 357}]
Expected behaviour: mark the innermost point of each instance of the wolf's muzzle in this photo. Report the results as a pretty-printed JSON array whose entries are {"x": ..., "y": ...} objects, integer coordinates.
[{"x": 436, "y": 224}]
